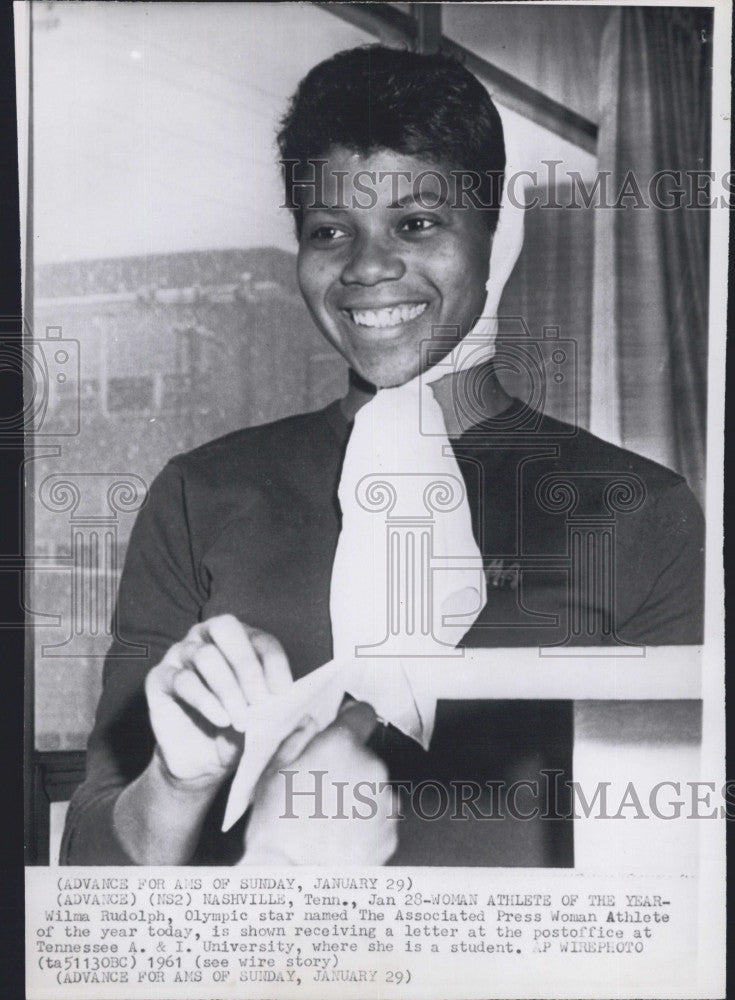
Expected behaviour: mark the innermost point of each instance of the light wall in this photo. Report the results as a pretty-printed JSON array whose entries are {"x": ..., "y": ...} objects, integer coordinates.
[{"x": 155, "y": 123}]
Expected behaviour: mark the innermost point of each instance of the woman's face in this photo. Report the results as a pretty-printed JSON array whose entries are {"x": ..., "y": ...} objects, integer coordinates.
[{"x": 378, "y": 271}]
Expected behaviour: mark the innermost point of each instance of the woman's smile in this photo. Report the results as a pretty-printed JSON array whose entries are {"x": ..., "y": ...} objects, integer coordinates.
[{"x": 383, "y": 317}]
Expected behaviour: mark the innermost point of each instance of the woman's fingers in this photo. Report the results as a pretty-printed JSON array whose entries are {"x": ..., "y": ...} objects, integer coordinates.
[
  {"x": 359, "y": 718},
  {"x": 276, "y": 670},
  {"x": 231, "y": 638},
  {"x": 222, "y": 666},
  {"x": 189, "y": 687},
  {"x": 215, "y": 671}
]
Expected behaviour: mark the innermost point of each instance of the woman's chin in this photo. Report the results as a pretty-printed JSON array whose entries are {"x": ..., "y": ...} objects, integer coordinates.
[
  {"x": 386, "y": 375},
  {"x": 387, "y": 367}
]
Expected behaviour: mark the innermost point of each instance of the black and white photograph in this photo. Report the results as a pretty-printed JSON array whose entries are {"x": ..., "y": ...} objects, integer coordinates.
[{"x": 373, "y": 364}]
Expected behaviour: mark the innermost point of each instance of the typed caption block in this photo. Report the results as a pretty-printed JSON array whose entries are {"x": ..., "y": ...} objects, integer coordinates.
[{"x": 212, "y": 933}]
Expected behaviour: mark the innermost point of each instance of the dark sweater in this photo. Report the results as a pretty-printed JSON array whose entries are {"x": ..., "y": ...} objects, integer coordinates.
[{"x": 248, "y": 525}]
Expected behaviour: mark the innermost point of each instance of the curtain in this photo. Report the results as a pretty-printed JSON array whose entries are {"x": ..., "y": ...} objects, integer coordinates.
[
  {"x": 551, "y": 287},
  {"x": 649, "y": 331}
]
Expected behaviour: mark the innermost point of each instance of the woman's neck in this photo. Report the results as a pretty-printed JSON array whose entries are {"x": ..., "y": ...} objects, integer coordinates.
[{"x": 463, "y": 401}]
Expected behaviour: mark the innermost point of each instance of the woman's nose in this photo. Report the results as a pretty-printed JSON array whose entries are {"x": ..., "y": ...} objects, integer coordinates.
[{"x": 373, "y": 260}]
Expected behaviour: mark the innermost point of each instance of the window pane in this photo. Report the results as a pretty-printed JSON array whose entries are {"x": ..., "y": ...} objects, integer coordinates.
[{"x": 165, "y": 279}]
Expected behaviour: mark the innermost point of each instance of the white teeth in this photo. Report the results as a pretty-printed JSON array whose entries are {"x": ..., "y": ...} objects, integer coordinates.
[{"x": 392, "y": 316}]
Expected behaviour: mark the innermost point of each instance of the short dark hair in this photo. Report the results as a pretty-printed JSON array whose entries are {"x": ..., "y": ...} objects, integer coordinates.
[{"x": 374, "y": 97}]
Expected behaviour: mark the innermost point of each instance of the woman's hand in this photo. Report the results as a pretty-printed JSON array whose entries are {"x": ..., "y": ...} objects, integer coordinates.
[
  {"x": 287, "y": 828},
  {"x": 198, "y": 696}
]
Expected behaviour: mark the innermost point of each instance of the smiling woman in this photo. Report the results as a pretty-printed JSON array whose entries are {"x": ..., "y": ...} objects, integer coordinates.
[
  {"x": 384, "y": 244},
  {"x": 378, "y": 278},
  {"x": 245, "y": 568}
]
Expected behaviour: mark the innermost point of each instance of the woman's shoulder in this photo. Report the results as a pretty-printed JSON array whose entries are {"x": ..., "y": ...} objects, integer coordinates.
[
  {"x": 580, "y": 451},
  {"x": 270, "y": 445}
]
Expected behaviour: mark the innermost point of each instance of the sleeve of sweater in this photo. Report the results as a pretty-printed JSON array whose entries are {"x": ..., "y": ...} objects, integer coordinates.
[
  {"x": 160, "y": 597},
  {"x": 668, "y": 550}
]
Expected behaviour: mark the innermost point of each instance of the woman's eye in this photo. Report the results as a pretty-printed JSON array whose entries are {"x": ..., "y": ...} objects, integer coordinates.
[
  {"x": 418, "y": 224},
  {"x": 326, "y": 234}
]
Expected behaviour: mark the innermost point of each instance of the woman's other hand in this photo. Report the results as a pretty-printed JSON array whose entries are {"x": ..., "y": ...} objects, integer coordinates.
[{"x": 292, "y": 822}]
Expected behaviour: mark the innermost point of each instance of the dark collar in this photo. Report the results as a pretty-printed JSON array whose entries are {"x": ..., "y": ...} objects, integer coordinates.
[{"x": 361, "y": 383}]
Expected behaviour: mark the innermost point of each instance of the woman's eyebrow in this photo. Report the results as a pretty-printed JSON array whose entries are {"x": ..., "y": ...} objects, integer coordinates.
[
  {"x": 407, "y": 199},
  {"x": 322, "y": 207},
  {"x": 415, "y": 198}
]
